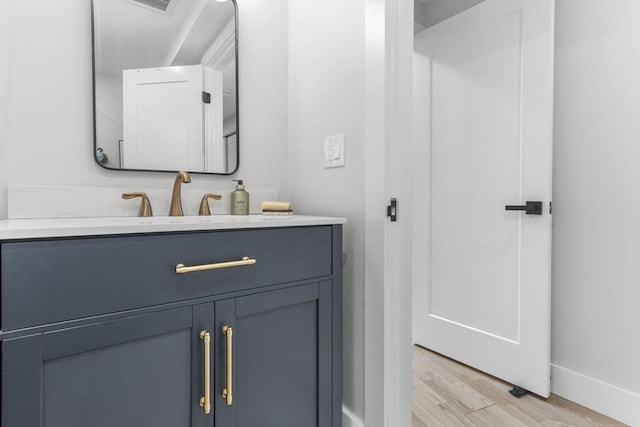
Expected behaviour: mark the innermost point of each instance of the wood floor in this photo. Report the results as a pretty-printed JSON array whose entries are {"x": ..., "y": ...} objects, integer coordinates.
[{"x": 447, "y": 393}]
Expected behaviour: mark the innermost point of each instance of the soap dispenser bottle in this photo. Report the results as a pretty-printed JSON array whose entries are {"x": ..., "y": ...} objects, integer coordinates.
[{"x": 239, "y": 199}]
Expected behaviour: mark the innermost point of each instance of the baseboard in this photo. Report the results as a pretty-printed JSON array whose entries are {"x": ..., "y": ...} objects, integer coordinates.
[
  {"x": 610, "y": 400},
  {"x": 349, "y": 419}
]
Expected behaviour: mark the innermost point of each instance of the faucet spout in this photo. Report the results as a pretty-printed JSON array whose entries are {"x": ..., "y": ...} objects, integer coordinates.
[{"x": 176, "y": 197}]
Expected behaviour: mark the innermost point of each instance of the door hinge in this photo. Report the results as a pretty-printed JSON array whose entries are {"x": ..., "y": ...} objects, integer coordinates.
[
  {"x": 206, "y": 97},
  {"x": 550, "y": 208},
  {"x": 392, "y": 210}
]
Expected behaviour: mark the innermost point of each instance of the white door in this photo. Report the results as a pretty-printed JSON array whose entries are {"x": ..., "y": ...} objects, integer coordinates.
[
  {"x": 163, "y": 118},
  {"x": 483, "y": 88}
]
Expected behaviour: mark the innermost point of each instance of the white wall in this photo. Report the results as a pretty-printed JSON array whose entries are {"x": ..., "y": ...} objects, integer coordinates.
[
  {"x": 326, "y": 97},
  {"x": 46, "y": 107},
  {"x": 595, "y": 347}
]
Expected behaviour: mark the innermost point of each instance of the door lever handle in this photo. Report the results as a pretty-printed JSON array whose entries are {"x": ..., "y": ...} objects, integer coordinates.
[{"x": 530, "y": 208}]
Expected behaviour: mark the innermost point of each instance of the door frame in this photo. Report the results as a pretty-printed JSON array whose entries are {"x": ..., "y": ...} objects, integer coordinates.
[{"x": 388, "y": 124}]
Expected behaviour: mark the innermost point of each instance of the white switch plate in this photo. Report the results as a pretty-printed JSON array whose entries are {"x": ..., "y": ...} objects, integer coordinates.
[{"x": 334, "y": 151}]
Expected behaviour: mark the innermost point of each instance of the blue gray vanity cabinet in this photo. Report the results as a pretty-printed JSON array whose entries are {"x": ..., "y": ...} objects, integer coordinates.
[
  {"x": 130, "y": 372},
  {"x": 281, "y": 358},
  {"x": 101, "y": 331}
]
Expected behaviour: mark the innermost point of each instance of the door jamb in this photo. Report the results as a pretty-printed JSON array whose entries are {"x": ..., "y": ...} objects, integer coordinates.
[{"x": 388, "y": 121}]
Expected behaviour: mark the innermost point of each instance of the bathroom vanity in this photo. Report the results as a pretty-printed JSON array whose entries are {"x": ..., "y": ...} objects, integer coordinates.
[{"x": 171, "y": 322}]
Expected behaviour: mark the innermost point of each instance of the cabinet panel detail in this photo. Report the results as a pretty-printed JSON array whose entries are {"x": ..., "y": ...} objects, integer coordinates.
[
  {"x": 281, "y": 358},
  {"x": 139, "y": 371},
  {"x": 21, "y": 381},
  {"x": 90, "y": 385},
  {"x": 104, "y": 334},
  {"x": 265, "y": 301}
]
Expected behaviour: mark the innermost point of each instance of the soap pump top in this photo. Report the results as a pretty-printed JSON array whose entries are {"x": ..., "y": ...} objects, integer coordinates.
[{"x": 239, "y": 185}]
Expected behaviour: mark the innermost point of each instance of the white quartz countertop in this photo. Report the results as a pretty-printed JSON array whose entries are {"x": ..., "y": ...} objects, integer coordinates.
[{"x": 11, "y": 229}]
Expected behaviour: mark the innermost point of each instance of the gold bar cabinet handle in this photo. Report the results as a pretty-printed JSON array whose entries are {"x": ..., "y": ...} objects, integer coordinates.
[
  {"x": 227, "y": 393},
  {"x": 205, "y": 401},
  {"x": 181, "y": 268}
]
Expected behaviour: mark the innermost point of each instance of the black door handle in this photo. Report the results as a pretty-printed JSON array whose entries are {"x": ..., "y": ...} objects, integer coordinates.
[{"x": 531, "y": 208}]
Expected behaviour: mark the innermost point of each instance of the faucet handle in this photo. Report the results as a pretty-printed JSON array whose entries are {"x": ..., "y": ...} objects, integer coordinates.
[
  {"x": 145, "y": 204},
  {"x": 204, "y": 204}
]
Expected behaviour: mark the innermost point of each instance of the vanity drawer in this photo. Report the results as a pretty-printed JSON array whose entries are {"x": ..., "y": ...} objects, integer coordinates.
[{"x": 51, "y": 281}]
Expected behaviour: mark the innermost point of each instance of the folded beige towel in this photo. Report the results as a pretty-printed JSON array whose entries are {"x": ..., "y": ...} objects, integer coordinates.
[{"x": 275, "y": 206}]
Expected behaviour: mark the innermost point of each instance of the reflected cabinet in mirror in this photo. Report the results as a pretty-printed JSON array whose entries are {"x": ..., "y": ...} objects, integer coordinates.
[{"x": 165, "y": 85}]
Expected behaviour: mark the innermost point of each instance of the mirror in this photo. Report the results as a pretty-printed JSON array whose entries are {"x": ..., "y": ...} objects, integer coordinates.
[{"x": 165, "y": 85}]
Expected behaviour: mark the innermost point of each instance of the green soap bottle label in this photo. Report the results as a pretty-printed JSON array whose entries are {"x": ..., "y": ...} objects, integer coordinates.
[{"x": 240, "y": 202}]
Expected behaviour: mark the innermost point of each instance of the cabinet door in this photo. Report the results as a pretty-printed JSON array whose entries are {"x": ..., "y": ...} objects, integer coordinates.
[
  {"x": 144, "y": 370},
  {"x": 280, "y": 359}
]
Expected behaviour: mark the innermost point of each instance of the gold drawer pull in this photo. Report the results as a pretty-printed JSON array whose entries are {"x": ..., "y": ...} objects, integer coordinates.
[
  {"x": 205, "y": 401},
  {"x": 181, "y": 268},
  {"x": 227, "y": 393}
]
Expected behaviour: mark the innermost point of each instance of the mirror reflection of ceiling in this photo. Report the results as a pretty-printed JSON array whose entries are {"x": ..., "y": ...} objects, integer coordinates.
[
  {"x": 180, "y": 35},
  {"x": 427, "y": 13}
]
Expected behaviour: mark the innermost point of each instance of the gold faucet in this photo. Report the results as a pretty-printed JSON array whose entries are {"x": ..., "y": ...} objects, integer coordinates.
[
  {"x": 176, "y": 202},
  {"x": 145, "y": 205},
  {"x": 204, "y": 204}
]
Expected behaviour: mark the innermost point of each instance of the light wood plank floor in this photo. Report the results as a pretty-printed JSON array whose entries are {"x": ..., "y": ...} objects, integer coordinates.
[{"x": 448, "y": 394}]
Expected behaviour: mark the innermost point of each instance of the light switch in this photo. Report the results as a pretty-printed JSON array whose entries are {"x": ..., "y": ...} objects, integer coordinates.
[{"x": 334, "y": 151}]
